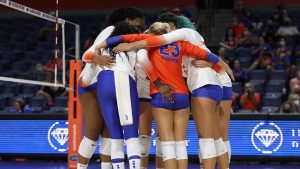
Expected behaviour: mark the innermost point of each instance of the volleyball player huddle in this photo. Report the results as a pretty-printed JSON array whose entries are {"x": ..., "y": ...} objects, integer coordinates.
[{"x": 144, "y": 79}]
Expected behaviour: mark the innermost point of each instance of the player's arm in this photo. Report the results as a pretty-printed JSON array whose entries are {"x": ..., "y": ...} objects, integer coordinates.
[
  {"x": 122, "y": 38},
  {"x": 195, "y": 51},
  {"x": 147, "y": 66},
  {"x": 191, "y": 50},
  {"x": 154, "y": 41},
  {"x": 87, "y": 57},
  {"x": 204, "y": 64}
]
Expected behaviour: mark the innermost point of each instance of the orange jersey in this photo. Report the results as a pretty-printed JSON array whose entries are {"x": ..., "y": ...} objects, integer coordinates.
[
  {"x": 167, "y": 62},
  {"x": 155, "y": 41}
]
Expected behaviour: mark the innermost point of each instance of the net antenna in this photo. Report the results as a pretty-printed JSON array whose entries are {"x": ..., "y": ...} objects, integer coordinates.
[{"x": 57, "y": 21}]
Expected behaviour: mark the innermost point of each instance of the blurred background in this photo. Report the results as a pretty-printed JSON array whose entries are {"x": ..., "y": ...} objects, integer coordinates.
[{"x": 258, "y": 38}]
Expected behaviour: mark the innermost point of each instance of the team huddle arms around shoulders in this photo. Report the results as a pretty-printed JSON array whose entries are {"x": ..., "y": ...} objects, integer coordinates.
[{"x": 131, "y": 78}]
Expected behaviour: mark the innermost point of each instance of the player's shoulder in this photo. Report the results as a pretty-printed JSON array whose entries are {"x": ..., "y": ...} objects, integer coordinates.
[
  {"x": 109, "y": 28},
  {"x": 142, "y": 52},
  {"x": 186, "y": 31}
]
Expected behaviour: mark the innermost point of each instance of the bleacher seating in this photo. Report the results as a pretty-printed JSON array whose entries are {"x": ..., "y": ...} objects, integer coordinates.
[{"x": 19, "y": 35}]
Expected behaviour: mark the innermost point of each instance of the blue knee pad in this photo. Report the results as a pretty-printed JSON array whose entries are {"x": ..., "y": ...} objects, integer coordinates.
[
  {"x": 106, "y": 93},
  {"x": 90, "y": 88},
  {"x": 227, "y": 93},
  {"x": 181, "y": 102},
  {"x": 213, "y": 92}
]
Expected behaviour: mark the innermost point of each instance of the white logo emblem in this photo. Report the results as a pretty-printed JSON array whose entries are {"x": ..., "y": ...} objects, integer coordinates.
[
  {"x": 266, "y": 138},
  {"x": 58, "y": 136}
]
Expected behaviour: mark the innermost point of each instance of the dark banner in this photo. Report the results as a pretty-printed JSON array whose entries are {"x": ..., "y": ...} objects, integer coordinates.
[{"x": 102, "y": 4}]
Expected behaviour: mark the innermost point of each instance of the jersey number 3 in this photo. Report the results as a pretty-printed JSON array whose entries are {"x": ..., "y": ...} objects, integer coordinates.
[{"x": 169, "y": 50}]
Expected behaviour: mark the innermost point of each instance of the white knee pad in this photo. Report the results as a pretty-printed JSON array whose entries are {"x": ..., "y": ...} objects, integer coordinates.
[
  {"x": 220, "y": 147},
  {"x": 158, "y": 147},
  {"x": 207, "y": 148},
  {"x": 181, "y": 152},
  {"x": 227, "y": 143},
  {"x": 117, "y": 148},
  {"x": 105, "y": 146},
  {"x": 132, "y": 147},
  {"x": 168, "y": 150},
  {"x": 87, "y": 147},
  {"x": 145, "y": 142}
]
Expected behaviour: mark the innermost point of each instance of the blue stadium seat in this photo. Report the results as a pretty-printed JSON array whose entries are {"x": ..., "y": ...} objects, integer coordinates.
[
  {"x": 258, "y": 75},
  {"x": 36, "y": 109},
  {"x": 271, "y": 109},
  {"x": 237, "y": 87},
  {"x": 259, "y": 87},
  {"x": 19, "y": 66},
  {"x": 298, "y": 62},
  {"x": 1, "y": 87},
  {"x": 274, "y": 87},
  {"x": 244, "y": 52},
  {"x": 245, "y": 62},
  {"x": 10, "y": 88},
  {"x": 2, "y": 102},
  {"x": 29, "y": 89},
  {"x": 38, "y": 102},
  {"x": 230, "y": 54},
  {"x": 279, "y": 75},
  {"x": 273, "y": 95},
  {"x": 58, "y": 110},
  {"x": 61, "y": 102},
  {"x": 24, "y": 75},
  {"x": 9, "y": 74},
  {"x": 244, "y": 111},
  {"x": 271, "y": 101}
]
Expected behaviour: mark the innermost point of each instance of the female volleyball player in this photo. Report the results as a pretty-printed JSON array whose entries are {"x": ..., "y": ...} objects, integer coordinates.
[
  {"x": 93, "y": 120},
  {"x": 171, "y": 117},
  {"x": 225, "y": 105},
  {"x": 206, "y": 92},
  {"x": 117, "y": 94}
]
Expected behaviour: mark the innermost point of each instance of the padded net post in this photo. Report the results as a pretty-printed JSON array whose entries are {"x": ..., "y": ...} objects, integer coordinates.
[{"x": 74, "y": 114}]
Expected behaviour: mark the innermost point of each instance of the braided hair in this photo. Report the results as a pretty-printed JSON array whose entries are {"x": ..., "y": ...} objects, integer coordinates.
[
  {"x": 121, "y": 28},
  {"x": 121, "y": 14}
]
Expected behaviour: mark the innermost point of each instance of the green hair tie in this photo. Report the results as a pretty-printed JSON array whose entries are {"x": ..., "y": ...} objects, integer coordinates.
[{"x": 184, "y": 22}]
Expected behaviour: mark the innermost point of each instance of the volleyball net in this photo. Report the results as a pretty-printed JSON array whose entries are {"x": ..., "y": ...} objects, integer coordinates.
[
  {"x": 41, "y": 49},
  {"x": 34, "y": 42}
]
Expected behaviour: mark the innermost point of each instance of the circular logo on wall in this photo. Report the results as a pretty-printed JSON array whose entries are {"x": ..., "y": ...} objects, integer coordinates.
[
  {"x": 58, "y": 136},
  {"x": 266, "y": 138}
]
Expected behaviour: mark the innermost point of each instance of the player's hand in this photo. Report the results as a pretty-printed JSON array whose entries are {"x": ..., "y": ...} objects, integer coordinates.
[
  {"x": 122, "y": 47},
  {"x": 106, "y": 61},
  {"x": 99, "y": 47},
  {"x": 201, "y": 64},
  {"x": 227, "y": 69},
  {"x": 166, "y": 91}
]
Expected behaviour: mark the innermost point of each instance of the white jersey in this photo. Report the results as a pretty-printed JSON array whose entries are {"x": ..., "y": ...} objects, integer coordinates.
[
  {"x": 196, "y": 77},
  {"x": 143, "y": 84},
  {"x": 125, "y": 62},
  {"x": 225, "y": 79},
  {"x": 92, "y": 69}
]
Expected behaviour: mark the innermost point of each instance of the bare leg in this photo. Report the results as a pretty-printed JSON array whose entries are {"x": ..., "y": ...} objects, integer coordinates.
[
  {"x": 203, "y": 110},
  {"x": 181, "y": 118},
  {"x": 165, "y": 125},
  {"x": 158, "y": 158},
  {"x": 93, "y": 120},
  {"x": 145, "y": 124},
  {"x": 105, "y": 134},
  {"x": 222, "y": 160},
  {"x": 225, "y": 108}
]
